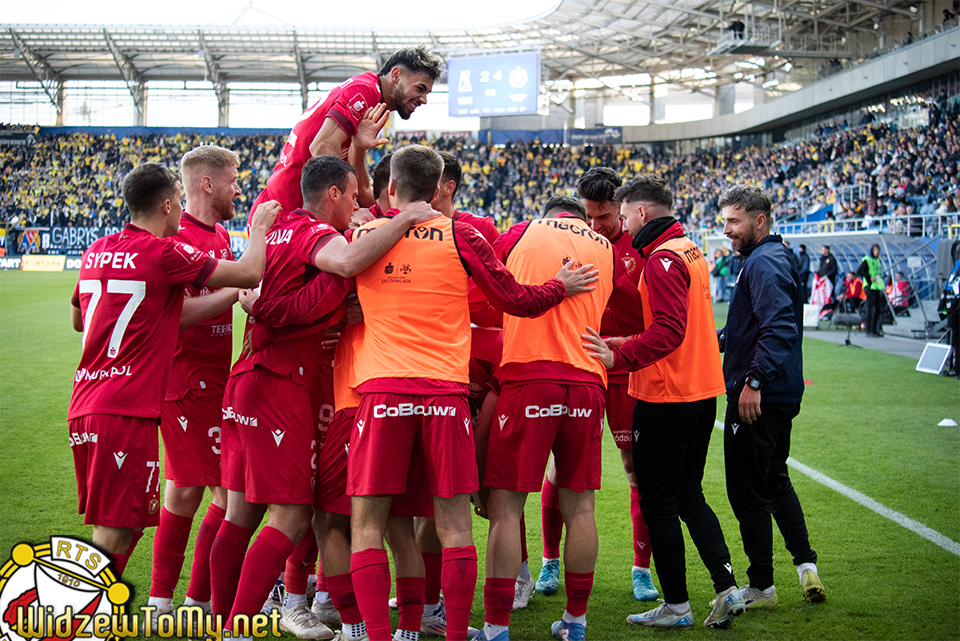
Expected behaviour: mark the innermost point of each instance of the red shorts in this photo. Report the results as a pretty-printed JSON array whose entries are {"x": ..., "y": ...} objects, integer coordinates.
[
  {"x": 269, "y": 439},
  {"x": 323, "y": 401},
  {"x": 117, "y": 463},
  {"x": 619, "y": 408},
  {"x": 331, "y": 495},
  {"x": 392, "y": 429},
  {"x": 190, "y": 428},
  {"x": 533, "y": 419}
]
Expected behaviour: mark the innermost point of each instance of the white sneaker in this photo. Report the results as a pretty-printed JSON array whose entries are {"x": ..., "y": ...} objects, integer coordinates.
[
  {"x": 275, "y": 600},
  {"x": 522, "y": 591},
  {"x": 304, "y": 624},
  {"x": 663, "y": 617},
  {"x": 327, "y": 613},
  {"x": 759, "y": 599},
  {"x": 726, "y": 605},
  {"x": 393, "y": 603}
]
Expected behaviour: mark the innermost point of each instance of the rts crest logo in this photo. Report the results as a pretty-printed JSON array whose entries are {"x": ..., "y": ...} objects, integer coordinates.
[{"x": 63, "y": 589}]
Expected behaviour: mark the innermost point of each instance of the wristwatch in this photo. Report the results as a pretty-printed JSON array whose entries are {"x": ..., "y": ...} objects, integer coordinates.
[{"x": 754, "y": 383}]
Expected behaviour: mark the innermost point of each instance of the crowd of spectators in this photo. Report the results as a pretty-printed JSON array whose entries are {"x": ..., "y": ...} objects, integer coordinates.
[{"x": 73, "y": 179}]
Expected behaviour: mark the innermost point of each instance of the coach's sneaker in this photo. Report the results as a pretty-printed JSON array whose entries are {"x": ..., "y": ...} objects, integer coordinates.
[
  {"x": 759, "y": 599},
  {"x": 522, "y": 591},
  {"x": 663, "y": 617},
  {"x": 643, "y": 589},
  {"x": 812, "y": 587},
  {"x": 726, "y": 605},
  {"x": 549, "y": 580},
  {"x": 304, "y": 624},
  {"x": 326, "y": 613},
  {"x": 568, "y": 631}
]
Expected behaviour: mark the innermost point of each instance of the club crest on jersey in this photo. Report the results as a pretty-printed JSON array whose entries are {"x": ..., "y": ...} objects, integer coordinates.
[
  {"x": 358, "y": 105},
  {"x": 61, "y": 589}
]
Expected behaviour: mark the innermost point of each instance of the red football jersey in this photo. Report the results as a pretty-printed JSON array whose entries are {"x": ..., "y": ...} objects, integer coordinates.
[
  {"x": 292, "y": 244},
  {"x": 346, "y": 104},
  {"x": 130, "y": 294},
  {"x": 202, "y": 358},
  {"x": 633, "y": 265},
  {"x": 482, "y": 224}
]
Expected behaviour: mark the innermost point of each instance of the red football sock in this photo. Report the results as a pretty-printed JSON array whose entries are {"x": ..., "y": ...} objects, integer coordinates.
[
  {"x": 343, "y": 597},
  {"x": 321, "y": 577},
  {"x": 300, "y": 565},
  {"x": 169, "y": 544},
  {"x": 370, "y": 571},
  {"x": 641, "y": 539},
  {"x": 226, "y": 561},
  {"x": 261, "y": 566},
  {"x": 199, "y": 588},
  {"x": 459, "y": 581},
  {"x": 432, "y": 563},
  {"x": 551, "y": 519},
  {"x": 410, "y": 602},
  {"x": 578, "y": 587},
  {"x": 120, "y": 560},
  {"x": 498, "y": 600}
]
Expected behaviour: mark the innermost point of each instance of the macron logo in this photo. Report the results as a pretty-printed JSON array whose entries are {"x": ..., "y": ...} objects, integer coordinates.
[
  {"x": 503, "y": 421},
  {"x": 666, "y": 262},
  {"x": 360, "y": 427},
  {"x": 119, "y": 457},
  {"x": 183, "y": 422},
  {"x": 729, "y": 567},
  {"x": 735, "y": 427},
  {"x": 466, "y": 425},
  {"x": 278, "y": 436}
]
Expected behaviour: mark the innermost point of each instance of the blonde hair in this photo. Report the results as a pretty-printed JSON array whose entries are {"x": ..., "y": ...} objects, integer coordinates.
[{"x": 206, "y": 157}]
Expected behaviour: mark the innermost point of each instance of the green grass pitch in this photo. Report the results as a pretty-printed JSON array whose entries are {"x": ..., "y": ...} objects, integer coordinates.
[{"x": 869, "y": 421}]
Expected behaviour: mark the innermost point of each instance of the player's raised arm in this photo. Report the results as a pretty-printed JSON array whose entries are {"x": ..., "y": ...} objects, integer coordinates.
[
  {"x": 247, "y": 271},
  {"x": 367, "y": 137}
]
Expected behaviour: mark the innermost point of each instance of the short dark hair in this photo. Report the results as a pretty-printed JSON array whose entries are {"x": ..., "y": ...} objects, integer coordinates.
[
  {"x": 418, "y": 60},
  {"x": 599, "y": 184},
  {"x": 381, "y": 176},
  {"x": 320, "y": 174},
  {"x": 416, "y": 170},
  {"x": 648, "y": 188},
  {"x": 750, "y": 199},
  {"x": 566, "y": 204},
  {"x": 146, "y": 186},
  {"x": 451, "y": 170}
]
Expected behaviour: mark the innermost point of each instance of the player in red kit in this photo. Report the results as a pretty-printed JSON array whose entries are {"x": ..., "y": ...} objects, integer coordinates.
[
  {"x": 268, "y": 415},
  {"x": 128, "y": 304},
  {"x": 326, "y": 129},
  {"x": 190, "y": 415}
]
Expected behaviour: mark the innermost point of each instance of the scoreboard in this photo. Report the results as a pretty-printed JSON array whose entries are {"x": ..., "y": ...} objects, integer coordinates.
[{"x": 496, "y": 85}]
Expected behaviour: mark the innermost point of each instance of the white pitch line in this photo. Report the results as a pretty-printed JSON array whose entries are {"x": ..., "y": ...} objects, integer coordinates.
[{"x": 916, "y": 527}]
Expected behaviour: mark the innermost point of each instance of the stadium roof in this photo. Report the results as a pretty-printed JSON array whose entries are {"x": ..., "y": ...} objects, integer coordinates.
[{"x": 577, "y": 39}]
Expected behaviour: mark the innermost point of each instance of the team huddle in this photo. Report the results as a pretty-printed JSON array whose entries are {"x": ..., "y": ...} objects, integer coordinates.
[{"x": 405, "y": 365}]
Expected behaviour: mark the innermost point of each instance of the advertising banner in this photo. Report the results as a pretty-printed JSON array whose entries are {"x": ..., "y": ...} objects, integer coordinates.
[{"x": 41, "y": 263}]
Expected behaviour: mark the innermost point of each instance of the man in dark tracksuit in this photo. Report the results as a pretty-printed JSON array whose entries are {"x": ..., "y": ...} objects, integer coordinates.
[{"x": 763, "y": 372}]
